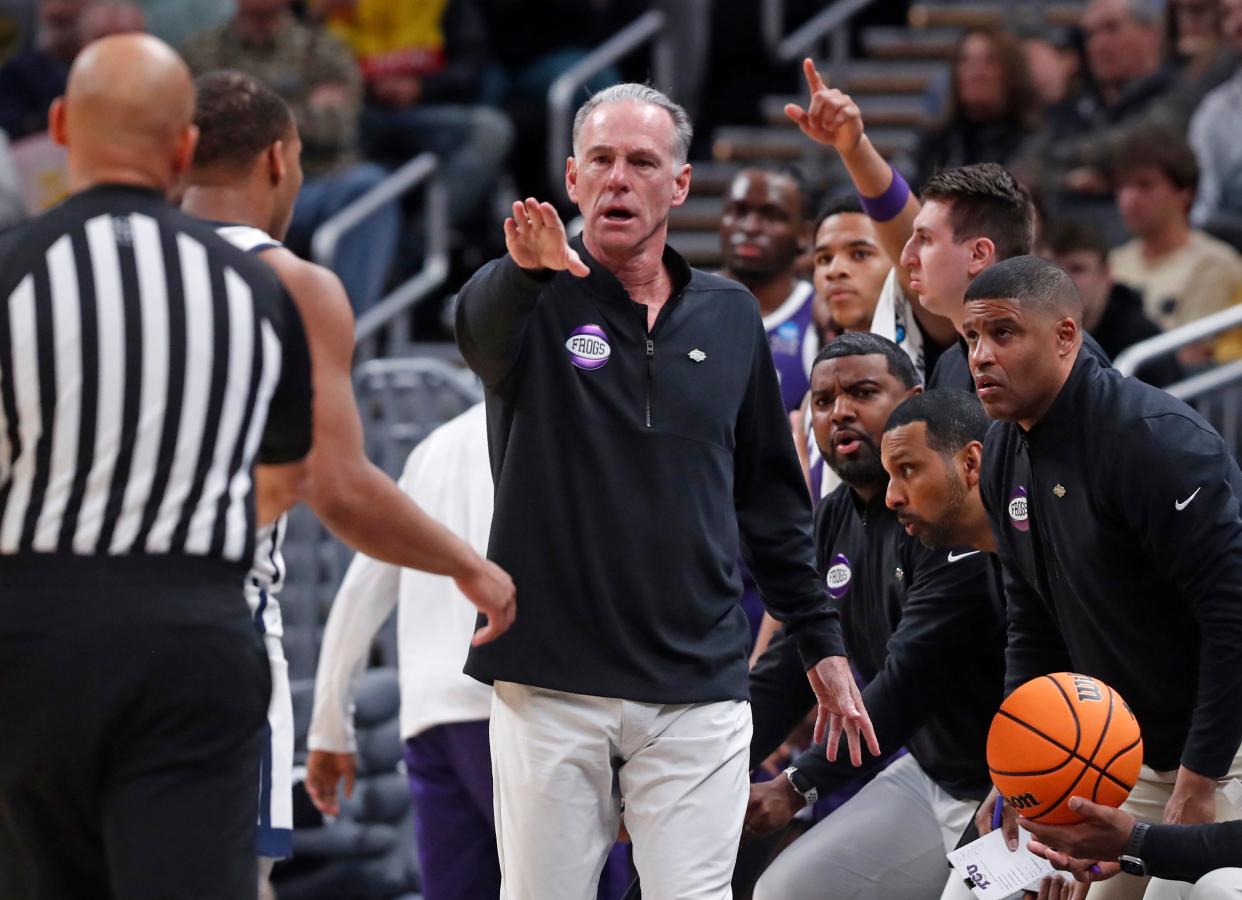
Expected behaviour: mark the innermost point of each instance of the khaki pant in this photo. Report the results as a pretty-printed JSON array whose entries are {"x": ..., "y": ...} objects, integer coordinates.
[
  {"x": 1223, "y": 884},
  {"x": 562, "y": 763},
  {"x": 1146, "y": 803}
]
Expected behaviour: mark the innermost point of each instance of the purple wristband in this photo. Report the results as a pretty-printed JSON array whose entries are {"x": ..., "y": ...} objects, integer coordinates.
[{"x": 889, "y": 204}]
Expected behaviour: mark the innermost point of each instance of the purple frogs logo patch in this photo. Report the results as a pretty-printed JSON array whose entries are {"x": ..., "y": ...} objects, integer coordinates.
[
  {"x": 839, "y": 577},
  {"x": 1018, "y": 514},
  {"x": 588, "y": 347}
]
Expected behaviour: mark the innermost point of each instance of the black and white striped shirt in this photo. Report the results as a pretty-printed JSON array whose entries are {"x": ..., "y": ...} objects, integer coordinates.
[{"x": 145, "y": 365}]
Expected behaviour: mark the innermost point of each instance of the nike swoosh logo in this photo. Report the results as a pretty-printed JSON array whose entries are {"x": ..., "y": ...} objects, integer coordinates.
[
  {"x": 954, "y": 557},
  {"x": 1179, "y": 505}
]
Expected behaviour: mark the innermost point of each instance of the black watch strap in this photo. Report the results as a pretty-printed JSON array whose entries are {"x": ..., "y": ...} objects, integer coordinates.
[
  {"x": 1135, "y": 844},
  {"x": 1131, "y": 859}
]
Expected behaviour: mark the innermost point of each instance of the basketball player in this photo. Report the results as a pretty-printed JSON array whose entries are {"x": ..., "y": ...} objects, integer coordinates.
[
  {"x": 905, "y": 608},
  {"x": 970, "y": 218},
  {"x": 246, "y": 176},
  {"x": 762, "y": 231},
  {"x": 1116, "y": 518}
]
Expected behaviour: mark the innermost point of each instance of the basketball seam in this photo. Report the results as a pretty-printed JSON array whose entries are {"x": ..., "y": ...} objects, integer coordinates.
[
  {"x": 1060, "y": 746},
  {"x": 1072, "y": 711}
]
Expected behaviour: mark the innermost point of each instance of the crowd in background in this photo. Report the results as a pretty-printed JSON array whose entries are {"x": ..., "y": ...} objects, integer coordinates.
[
  {"x": 373, "y": 83},
  {"x": 1127, "y": 129}
]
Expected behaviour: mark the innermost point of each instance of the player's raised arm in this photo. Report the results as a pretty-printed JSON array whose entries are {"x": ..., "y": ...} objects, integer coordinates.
[
  {"x": 833, "y": 119},
  {"x": 354, "y": 498}
]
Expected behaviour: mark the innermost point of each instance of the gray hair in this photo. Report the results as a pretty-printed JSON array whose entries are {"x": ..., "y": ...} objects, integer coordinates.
[{"x": 632, "y": 92}]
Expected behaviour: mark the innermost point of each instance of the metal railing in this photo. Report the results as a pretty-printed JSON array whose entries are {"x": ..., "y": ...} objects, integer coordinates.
[
  {"x": 392, "y": 313},
  {"x": 1215, "y": 393},
  {"x": 1129, "y": 360},
  {"x": 647, "y": 28},
  {"x": 829, "y": 23}
]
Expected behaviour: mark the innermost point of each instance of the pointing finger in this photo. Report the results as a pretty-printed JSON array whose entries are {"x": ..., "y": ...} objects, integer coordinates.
[{"x": 813, "y": 79}]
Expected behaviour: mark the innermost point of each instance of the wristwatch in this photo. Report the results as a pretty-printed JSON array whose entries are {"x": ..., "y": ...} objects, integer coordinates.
[
  {"x": 802, "y": 784},
  {"x": 1131, "y": 862}
]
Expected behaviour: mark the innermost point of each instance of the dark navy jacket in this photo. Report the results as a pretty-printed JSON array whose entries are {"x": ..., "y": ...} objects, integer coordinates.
[
  {"x": 1117, "y": 522},
  {"x": 629, "y": 466},
  {"x": 924, "y": 628}
]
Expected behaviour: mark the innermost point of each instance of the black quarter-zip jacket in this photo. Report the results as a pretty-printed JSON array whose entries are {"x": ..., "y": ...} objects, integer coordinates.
[
  {"x": 1117, "y": 523},
  {"x": 924, "y": 628},
  {"x": 629, "y": 465}
]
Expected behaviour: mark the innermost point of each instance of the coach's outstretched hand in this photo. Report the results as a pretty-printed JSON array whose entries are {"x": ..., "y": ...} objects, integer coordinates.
[
  {"x": 324, "y": 771},
  {"x": 841, "y": 709},
  {"x": 491, "y": 590},
  {"x": 536, "y": 239},
  {"x": 831, "y": 117}
]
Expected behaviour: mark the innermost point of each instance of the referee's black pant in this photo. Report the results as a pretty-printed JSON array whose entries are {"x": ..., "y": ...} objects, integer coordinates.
[{"x": 133, "y": 698}]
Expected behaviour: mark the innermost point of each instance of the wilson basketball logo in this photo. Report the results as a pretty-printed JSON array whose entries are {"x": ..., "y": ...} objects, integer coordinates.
[
  {"x": 1024, "y": 801},
  {"x": 839, "y": 577},
  {"x": 1018, "y": 512},
  {"x": 588, "y": 347}
]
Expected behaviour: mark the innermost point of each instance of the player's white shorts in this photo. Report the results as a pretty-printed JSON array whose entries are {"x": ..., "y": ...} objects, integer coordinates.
[{"x": 275, "y": 834}]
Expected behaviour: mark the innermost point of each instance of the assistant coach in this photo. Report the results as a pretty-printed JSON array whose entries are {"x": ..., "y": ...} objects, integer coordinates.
[{"x": 636, "y": 431}]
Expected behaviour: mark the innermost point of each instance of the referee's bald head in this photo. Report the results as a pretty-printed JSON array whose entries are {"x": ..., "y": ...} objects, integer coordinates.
[{"x": 127, "y": 113}]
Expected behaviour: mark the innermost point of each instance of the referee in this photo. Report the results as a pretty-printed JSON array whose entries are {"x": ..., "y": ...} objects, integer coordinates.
[{"x": 145, "y": 365}]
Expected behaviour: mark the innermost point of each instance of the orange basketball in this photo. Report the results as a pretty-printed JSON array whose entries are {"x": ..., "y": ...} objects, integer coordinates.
[{"x": 1061, "y": 736}]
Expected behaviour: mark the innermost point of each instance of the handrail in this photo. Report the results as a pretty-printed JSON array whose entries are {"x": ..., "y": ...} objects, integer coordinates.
[
  {"x": 798, "y": 43},
  {"x": 460, "y": 376},
  {"x": 647, "y": 27},
  {"x": 1129, "y": 360},
  {"x": 1197, "y": 385},
  {"x": 394, "y": 308}
]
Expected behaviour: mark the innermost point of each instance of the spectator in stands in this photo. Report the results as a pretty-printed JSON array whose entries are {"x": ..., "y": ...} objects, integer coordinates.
[
  {"x": 422, "y": 65},
  {"x": 1126, "y": 79},
  {"x": 992, "y": 106},
  {"x": 535, "y": 41},
  {"x": 1112, "y": 313},
  {"x": 1054, "y": 65},
  {"x": 317, "y": 76},
  {"x": 17, "y": 27},
  {"x": 108, "y": 17},
  {"x": 1182, "y": 273},
  {"x": 173, "y": 21},
  {"x": 1192, "y": 29},
  {"x": 32, "y": 79},
  {"x": 1214, "y": 132}
]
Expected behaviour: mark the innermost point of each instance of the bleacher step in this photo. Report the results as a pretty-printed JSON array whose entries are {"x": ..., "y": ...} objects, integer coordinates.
[{"x": 990, "y": 14}]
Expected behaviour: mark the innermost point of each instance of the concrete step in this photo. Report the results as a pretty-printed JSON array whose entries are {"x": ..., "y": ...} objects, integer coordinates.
[
  {"x": 869, "y": 76},
  {"x": 892, "y": 43},
  {"x": 900, "y": 109},
  {"x": 700, "y": 248},
  {"x": 987, "y": 13},
  {"x": 697, "y": 213},
  {"x": 711, "y": 177},
  {"x": 750, "y": 143}
]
